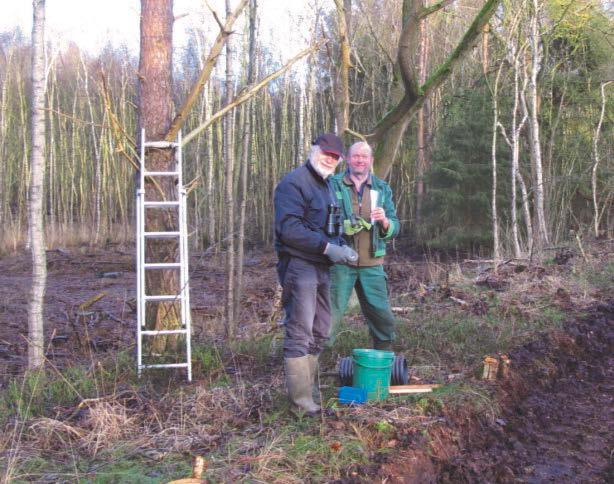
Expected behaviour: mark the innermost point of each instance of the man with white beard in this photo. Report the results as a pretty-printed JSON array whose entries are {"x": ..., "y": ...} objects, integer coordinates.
[{"x": 308, "y": 242}]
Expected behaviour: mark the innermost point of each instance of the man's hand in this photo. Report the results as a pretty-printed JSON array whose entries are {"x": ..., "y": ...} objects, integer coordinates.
[
  {"x": 379, "y": 215},
  {"x": 340, "y": 254}
]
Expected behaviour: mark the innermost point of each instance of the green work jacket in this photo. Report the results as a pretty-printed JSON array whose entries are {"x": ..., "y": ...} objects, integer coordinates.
[{"x": 378, "y": 240}]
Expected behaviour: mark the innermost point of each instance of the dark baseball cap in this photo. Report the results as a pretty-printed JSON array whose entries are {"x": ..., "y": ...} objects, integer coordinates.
[{"x": 330, "y": 143}]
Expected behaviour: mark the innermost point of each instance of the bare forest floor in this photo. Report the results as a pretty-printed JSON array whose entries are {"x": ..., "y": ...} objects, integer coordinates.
[{"x": 89, "y": 419}]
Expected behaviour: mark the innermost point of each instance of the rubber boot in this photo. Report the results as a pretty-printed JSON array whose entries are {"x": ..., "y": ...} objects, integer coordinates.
[
  {"x": 315, "y": 384},
  {"x": 382, "y": 345},
  {"x": 300, "y": 384}
]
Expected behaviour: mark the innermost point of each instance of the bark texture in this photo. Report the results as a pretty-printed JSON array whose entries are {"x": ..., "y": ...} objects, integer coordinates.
[
  {"x": 36, "y": 219},
  {"x": 155, "y": 114}
]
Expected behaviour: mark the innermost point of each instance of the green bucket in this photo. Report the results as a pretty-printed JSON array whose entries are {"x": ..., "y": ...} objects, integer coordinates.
[{"x": 372, "y": 370}]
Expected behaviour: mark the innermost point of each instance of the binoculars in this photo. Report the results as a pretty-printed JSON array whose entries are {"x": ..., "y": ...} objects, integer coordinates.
[{"x": 334, "y": 222}]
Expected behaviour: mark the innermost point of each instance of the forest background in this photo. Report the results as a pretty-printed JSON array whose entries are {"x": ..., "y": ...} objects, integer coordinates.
[
  {"x": 492, "y": 121},
  {"x": 531, "y": 104}
]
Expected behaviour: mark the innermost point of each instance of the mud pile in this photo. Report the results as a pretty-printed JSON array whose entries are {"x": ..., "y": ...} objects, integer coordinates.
[{"x": 557, "y": 422}]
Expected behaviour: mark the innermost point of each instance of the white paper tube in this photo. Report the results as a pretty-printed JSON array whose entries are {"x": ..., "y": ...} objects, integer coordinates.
[{"x": 374, "y": 197}]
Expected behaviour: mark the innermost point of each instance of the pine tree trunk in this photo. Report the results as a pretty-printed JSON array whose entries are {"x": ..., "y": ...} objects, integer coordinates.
[
  {"x": 155, "y": 114},
  {"x": 36, "y": 219},
  {"x": 341, "y": 77}
]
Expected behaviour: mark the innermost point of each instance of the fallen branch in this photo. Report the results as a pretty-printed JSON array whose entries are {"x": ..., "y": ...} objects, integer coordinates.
[
  {"x": 408, "y": 389},
  {"x": 92, "y": 300},
  {"x": 459, "y": 301},
  {"x": 399, "y": 309}
]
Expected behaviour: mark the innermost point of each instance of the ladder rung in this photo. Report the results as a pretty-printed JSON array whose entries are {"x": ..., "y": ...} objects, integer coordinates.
[
  {"x": 168, "y": 365},
  {"x": 164, "y": 331},
  {"x": 161, "y": 204},
  {"x": 162, "y": 265},
  {"x": 160, "y": 144},
  {"x": 161, "y": 234},
  {"x": 161, "y": 173},
  {"x": 164, "y": 297}
]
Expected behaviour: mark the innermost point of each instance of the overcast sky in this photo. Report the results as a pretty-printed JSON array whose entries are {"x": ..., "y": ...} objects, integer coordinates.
[{"x": 92, "y": 23}]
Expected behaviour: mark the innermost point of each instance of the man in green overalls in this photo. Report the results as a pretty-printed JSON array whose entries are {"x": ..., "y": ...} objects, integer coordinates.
[{"x": 370, "y": 220}]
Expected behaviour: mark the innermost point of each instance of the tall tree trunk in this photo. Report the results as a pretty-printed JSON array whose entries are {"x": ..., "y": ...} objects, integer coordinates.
[
  {"x": 493, "y": 200},
  {"x": 536, "y": 59},
  {"x": 247, "y": 149},
  {"x": 97, "y": 157},
  {"x": 514, "y": 144},
  {"x": 230, "y": 212},
  {"x": 342, "y": 84},
  {"x": 422, "y": 116},
  {"x": 309, "y": 90},
  {"x": 36, "y": 219},
  {"x": 211, "y": 212},
  {"x": 596, "y": 215},
  {"x": 155, "y": 114}
]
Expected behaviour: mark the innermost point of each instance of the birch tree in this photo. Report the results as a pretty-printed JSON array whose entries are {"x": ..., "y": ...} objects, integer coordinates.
[
  {"x": 246, "y": 152},
  {"x": 536, "y": 156},
  {"x": 229, "y": 195},
  {"x": 37, "y": 163},
  {"x": 513, "y": 141},
  {"x": 596, "y": 214},
  {"x": 493, "y": 199}
]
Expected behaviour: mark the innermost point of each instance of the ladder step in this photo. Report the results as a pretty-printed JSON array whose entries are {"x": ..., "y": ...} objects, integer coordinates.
[
  {"x": 161, "y": 173},
  {"x": 161, "y": 235},
  {"x": 160, "y": 144},
  {"x": 162, "y": 265},
  {"x": 164, "y": 331},
  {"x": 164, "y": 297},
  {"x": 161, "y": 204},
  {"x": 168, "y": 365}
]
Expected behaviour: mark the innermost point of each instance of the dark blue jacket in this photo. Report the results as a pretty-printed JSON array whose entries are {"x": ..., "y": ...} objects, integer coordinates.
[{"x": 301, "y": 208}]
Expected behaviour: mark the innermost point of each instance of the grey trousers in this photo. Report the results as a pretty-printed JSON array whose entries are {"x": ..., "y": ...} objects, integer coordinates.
[{"x": 306, "y": 302}]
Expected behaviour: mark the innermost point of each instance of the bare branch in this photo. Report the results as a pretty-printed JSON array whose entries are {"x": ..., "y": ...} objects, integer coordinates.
[
  {"x": 374, "y": 35},
  {"x": 216, "y": 49},
  {"x": 237, "y": 101},
  {"x": 426, "y": 11},
  {"x": 215, "y": 15}
]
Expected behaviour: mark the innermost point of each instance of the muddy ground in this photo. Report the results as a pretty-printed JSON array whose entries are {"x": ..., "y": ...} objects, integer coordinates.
[
  {"x": 75, "y": 275},
  {"x": 556, "y": 418},
  {"x": 558, "y": 412}
]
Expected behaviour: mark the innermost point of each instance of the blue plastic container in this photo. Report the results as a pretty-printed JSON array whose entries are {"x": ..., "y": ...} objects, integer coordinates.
[{"x": 352, "y": 395}]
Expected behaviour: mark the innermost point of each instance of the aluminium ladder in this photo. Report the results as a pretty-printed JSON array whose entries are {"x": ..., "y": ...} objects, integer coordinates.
[{"x": 183, "y": 295}]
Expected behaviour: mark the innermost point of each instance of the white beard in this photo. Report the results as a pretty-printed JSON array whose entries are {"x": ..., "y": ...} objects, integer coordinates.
[{"x": 321, "y": 170}]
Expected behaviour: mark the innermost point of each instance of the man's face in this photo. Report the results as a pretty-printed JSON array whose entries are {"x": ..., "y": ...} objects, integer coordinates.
[
  {"x": 326, "y": 162},
  {"x": 360, "y": 161}
]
